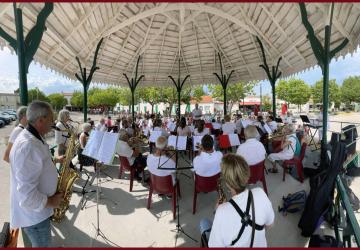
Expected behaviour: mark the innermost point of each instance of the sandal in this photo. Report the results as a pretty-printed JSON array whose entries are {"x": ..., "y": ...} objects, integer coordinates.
[{"x": 273, "y": 170}]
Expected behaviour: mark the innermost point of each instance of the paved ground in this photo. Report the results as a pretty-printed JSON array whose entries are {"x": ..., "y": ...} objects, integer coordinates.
[{"x": 125, "y": 221}]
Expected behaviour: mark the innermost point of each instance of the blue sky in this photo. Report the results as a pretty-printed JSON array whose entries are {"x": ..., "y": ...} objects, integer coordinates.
[{"x": 51, "y": 82}]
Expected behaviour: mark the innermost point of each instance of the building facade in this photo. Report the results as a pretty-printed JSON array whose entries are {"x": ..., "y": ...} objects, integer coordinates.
[{"x": 9, "y": 101}]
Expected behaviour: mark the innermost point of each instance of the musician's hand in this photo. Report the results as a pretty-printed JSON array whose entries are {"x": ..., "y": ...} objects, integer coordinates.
[
  {"x": 60, "y": 159},
  {"x": 55, "y": 200}
]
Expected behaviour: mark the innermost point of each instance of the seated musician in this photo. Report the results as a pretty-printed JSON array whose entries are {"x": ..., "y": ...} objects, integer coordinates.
[
  {"x": 226, "y": 227},
  {"x": 228, "y": 127},
  {"x": 252, "y": 150},
  {"x": 133, "y": 155},
  {"x": 271, "y": 123},
  {"x": 207, "y": 163},
  {"x": 162, "y": 159},
  {"x": 238, "y": 123},
  {"x": 101, "y": 125},
  {"x": 183, "y": 129},
  {"x": 84, "y": 136},
  {"x": 201, "y": 130},
  {"x": 158, "y": 127},
  {"x": 127, "y": 128},
  {"x": 288, "y": 146}
]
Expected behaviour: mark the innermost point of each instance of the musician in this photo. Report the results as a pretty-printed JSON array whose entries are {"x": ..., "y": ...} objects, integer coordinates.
[
  {"x": 227, "y": 222},
  {"x": 161, "y": 159},
  {"x": 238, "y": 123},
  {"x": 158, "y": 127},
  {"x": 196, "y": 113},
  {"x": 133, "y": 155},
  {"x": 207, "y": 163},
  {"x": 34, "y": 177},
  {"x": 201, "y": 130},
  {"x": 252, "y": 150},
  {"x": 61, "y": 136},
  {"x": 21, "y": 115},
  {"x": 288, "y": 146},
  {"x": 101, "y": 125},
  {"x": 271, "y": 123},
  {"x": 84, "y": 136},
  {"x": 183, "y": 129},
  {"x": 228, "y": 127},
  {"x": 109, "y": 122}
]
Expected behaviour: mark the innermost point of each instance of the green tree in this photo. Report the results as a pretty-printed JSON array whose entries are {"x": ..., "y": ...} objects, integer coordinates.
[
  {"x": 37, "y": 94},
  {"x": 293, "y": 91},
  {"x": 282, "y": 90},
  {"x": 77, "y": 99},
  {"x": 151, "y": 95},
  {"x": 350, "y": 90},
  {"x": 198, "y": 93},
  {"x": 235, "y": 92},
  {"x": 334, "y": 92},
  {"x": 169, "y": 95},
  {"x": 58, "y": 101},
  {"x": 104, "y": 98},
  {"x": 266, "y": 103}
]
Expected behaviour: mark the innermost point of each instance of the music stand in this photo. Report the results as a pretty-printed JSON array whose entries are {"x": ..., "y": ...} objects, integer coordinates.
[
  {"x": 179, "y": 228},
  {"x": 307, "y": 123},
  {"x": 83, "y": 191}
]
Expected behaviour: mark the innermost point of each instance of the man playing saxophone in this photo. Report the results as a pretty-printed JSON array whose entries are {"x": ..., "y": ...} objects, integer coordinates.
[{"x": 34, "y": 177}]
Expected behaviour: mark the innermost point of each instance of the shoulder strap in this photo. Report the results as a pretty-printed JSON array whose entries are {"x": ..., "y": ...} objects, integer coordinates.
[
  {"x": 245, "y": 218},
  {"x": 252, "y": 219}
]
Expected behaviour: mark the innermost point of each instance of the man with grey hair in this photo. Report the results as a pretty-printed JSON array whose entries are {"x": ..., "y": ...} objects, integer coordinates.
[
  {"x": 133, "y": 155},
  {"x": 21, "y": 115},
  {"x": 252, "y": 150},
  {"x": 34, "y": 177},
  {"x": 101, "y": 125},
  {"x": 159, "y": 159},
  {"x": 61, "y": 136}
]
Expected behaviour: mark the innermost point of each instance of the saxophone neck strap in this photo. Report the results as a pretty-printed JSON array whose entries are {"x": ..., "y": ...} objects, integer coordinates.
[
  {"x": 34, "y": 132},
  {"x": 246, "y": 220}
]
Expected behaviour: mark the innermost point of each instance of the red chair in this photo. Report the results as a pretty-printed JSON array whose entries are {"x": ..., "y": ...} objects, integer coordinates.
[
  {"x": 163, "y": 185},
  {"x": 296, "y": 161},
  {"x": 257, "y": 174},
  {"x": 204, "y": 184},
  {"x": 125, "y": 166},
  {"x": 224, "y": 142},
  {"x": 209, "y": 126}
]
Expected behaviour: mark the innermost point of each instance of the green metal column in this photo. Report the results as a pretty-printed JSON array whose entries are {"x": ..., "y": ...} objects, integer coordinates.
[{"x": 326, "y": 88}]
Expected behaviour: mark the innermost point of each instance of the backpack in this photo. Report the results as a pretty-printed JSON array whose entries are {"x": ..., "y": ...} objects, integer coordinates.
[
  {"x": 297, "y": 149},
  {"x": 293, "y": 203}
]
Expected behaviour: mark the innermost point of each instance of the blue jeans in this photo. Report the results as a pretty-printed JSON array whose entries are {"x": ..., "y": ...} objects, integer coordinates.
[
  {"x": 205, "y": 224},
  {"x": 39, "y": 234}
]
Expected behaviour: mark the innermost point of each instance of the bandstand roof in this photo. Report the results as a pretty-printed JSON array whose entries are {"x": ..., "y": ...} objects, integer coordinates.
[{"x": 194, "y": 32}]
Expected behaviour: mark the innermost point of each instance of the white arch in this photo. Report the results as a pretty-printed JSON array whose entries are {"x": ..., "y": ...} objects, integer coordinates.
[{"x": 171, "y": 7}]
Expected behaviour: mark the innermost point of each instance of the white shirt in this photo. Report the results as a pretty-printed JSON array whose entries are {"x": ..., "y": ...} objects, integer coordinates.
[
  {"x": 123, "y": 149},
  {"x": 216, "y": 125},
  {"x": 150, "y": 124},
  {"x": 33, "y": 180},
  {"x": 183, "y": 131},
  {"x": 61, "y": 137},
  {"x": 238, "y": 126},
  {"x": 207, "y": 164},
  {"x": 252, "y": 151},
  {"x": 228, "y": 128},
  {"x": 196, "y": 114},
  {"x": 227, "y": 221},
  {"x": 155, "y": 162},
  {"x": 206, "y": 131},
  {"x": 101, "y": 127},
  {"x": 163, "y": 131},
  {"x": 14, "y": 134},
  {"x": 272, "y": 125}
]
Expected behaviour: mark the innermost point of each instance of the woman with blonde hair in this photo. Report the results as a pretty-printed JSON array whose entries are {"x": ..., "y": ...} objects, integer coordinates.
[{"x": 234, "y": 220}]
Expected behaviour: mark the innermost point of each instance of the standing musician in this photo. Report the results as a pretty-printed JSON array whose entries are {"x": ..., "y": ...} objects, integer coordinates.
[
  {"x": 34, "y": 177},
  {"x": 196, "y": 114},
  {"x": 61, "y": 136},
  {"x": 21, "y": 115},
  {"x": 230, "y": 228}
]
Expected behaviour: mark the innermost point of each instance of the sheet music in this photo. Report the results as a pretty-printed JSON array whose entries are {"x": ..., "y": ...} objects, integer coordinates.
[
  {"x": 234, "y": 140},
  {"x": 107, "y": 148},
  {"x": 93, "y": 144},
  {"x": 154, "y": 135},
  {"x": 267, "y": 129},
  {"x": 181, "y": 142},
  {"x": 246, "y": 123},
  {"x": 172, "y": 127},
  {"x": 197, "y": 140}
]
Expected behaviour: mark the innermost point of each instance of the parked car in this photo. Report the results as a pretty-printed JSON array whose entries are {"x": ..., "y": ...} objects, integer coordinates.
[
  {"x": 2, "y": 124},
  {"x": 11, "y": 117},
  {"x": 5, "y": 120}
]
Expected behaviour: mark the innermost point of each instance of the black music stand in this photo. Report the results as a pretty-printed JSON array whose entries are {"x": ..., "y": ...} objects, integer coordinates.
[
  {"x": 179, "y": 228},
  {"x": 307, "y": 123}
]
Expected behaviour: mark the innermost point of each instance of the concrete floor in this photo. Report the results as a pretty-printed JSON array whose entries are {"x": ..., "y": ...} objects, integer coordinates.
[{"x": 126, "y": 222}]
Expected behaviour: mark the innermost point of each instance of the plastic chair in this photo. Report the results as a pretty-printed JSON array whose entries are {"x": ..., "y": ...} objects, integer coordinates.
[
  {"x": 257, "y": 174},
  {"x": 296, "y": 161},
  {"x": 224, "y": 142},
  {"x": 125, "y": 166},
  {"x": 163, "y": 185},
  {"x": 209, "y": 126},
  {"x": 204, "y": 184}
]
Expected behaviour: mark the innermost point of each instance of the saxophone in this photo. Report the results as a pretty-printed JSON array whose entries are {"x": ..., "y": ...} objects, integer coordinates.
[{"x": 67, "y": 177}]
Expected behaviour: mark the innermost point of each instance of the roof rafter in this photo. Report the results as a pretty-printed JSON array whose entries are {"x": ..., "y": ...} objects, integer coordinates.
[
  {"x": 160, "y": 54},
  {"x": 198, "y": 49}
]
